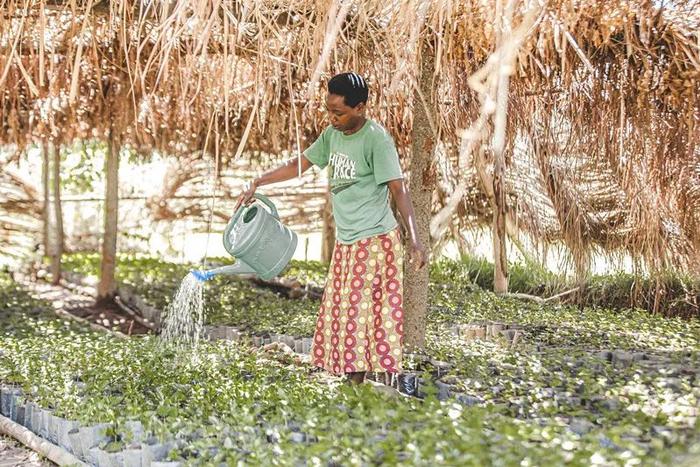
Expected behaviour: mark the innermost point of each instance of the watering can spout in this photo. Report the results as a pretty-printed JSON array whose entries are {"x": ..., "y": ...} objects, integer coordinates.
[{"x": 239, "y": 268}]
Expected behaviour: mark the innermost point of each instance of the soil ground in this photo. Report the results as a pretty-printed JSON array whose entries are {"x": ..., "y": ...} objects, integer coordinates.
[
  {"x": 105, "y": 314},
  {"x": 13, "y": 453}
]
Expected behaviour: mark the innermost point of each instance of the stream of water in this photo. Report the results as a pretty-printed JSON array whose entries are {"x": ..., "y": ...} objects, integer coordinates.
[{"x": 184, "y": 318}]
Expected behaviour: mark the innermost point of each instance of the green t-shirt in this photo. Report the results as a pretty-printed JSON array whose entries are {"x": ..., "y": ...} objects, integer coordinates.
[{"x": 360, "y": 165}]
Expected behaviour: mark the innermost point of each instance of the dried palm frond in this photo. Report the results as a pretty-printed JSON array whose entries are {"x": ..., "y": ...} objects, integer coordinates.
[{"x": 617, "y": 168}]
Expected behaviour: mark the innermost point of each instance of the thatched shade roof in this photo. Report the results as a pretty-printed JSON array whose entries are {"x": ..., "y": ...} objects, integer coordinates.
[{"x": 603, "y": 109}]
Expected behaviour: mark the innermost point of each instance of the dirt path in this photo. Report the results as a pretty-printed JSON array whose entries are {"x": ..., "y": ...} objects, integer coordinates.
[
  {"x": 13, "y": 453},
  {"x": 82, "y": 305}
]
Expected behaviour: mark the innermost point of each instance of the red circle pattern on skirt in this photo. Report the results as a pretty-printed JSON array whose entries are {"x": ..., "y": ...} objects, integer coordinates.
[{"x": 360, "y": 322}]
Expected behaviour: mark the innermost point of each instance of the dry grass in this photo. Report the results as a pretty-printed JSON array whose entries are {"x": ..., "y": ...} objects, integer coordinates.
[{"x": 600, "y": 137}]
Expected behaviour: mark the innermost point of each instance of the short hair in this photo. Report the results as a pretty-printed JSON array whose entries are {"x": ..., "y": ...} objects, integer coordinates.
[{"x": 351, "y": 86}]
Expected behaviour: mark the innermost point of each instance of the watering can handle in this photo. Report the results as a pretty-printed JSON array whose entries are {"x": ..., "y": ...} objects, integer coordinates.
[
  {"x": 262, "y": 198},
  {"x": 237, "y": 214},
  {"x": 269, "y": 204}
]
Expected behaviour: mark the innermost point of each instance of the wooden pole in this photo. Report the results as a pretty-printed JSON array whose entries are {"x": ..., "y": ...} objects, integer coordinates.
[
  {"x": 505, "y": 65},
  {"x": 45, "y": 168},
  {"x": 500, "y": 278},
  {"x": 328, "y": 241},
  {"x": 107, "y": 287},
  {"x": 58, "y": 242},
  {"x": 49, "y": 450},
  {"x": 421, "y": 186}
]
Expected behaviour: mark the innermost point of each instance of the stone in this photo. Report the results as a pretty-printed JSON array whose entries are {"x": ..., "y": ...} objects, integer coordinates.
[{"x": 297, "y": 437}]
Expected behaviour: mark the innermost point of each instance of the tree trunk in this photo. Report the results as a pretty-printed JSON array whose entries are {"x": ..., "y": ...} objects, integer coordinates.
[
  {"x": 45, "y": 168},
  {"x": 500, "y": 277},
  {"x": 57, "y": 250},
  {"x": 421, "y": 186},
  {"x": 328, "y": 242},
  {"x": 45, "y": 448},
  {"x": 500, "y": 120},
  {"x": 107, "y": 285}
]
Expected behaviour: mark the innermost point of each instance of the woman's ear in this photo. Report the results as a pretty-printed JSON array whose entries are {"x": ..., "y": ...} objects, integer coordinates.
[{"x": 359, "y": 108}]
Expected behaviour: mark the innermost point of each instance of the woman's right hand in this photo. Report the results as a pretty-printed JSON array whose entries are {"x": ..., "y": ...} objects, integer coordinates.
[{"x": 246, "y": 196}]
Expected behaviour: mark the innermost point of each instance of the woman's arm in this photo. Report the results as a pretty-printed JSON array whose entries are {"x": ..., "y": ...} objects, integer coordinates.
[
  {"x": 399, "y": 191},
  {"x": 280, "y": 174}
]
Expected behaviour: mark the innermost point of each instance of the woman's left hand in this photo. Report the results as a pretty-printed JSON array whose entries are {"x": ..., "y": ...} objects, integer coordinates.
[{"x": 417, "y": 255}]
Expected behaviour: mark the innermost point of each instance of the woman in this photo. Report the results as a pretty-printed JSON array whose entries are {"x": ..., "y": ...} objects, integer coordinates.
[{"x": 360, "y": 323}]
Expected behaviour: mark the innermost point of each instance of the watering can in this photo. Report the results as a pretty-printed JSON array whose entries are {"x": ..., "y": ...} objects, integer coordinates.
[{"x": 258, "y": 240}]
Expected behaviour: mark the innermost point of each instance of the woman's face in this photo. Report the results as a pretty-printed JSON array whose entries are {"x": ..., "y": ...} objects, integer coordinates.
[{"x": 342, "y": 116}]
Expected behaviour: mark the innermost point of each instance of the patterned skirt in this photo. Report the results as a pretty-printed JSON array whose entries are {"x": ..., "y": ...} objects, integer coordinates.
[{"x": 360, "y": 324}]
